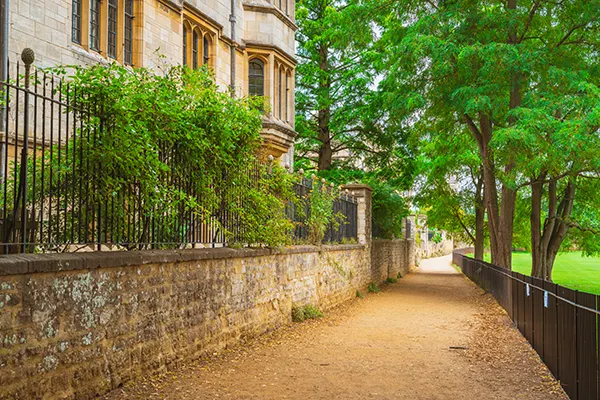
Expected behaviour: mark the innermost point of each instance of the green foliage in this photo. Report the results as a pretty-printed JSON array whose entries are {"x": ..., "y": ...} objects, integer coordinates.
[
  {"x": 160, "y": 149},
  {"x": 388, "y": 210},
  {"x": 320, "y": 215},
  {"x": 359, "y": 294},
  {"x": 399, "y": 276},
  {"x": 528, "y": 76},
  {"x": 302, "y": 313},
  {"x": 389, "y": 207},
  {"x": 373, "y": 288},
  {"x": 437, "y": 237},
  {"x": 334, "y": 77},
  {"x": 262, "y": 213},
  {"x": 391, "y": 280}
]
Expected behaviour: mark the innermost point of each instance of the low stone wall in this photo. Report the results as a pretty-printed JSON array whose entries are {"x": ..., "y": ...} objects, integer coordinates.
[
  {"x": 390, "y": 258},
  {"x": 74, "y": 326}
]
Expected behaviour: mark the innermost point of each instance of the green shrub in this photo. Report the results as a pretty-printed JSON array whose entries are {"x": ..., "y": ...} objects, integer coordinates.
[
  {"x": 373, "y": 288},
  {"x": 360, "y": 295},
  {"x": 399, "y": 275},
  {"x": 297, "y": 314},
  {"x": 301, "y": 313},
  {"x": 391, "y": 280},
  {"x": 312, "y": 312}
]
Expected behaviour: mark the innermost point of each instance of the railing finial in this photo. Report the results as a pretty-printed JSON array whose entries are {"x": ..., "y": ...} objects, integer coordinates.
[{"x": 28, "y": 56}]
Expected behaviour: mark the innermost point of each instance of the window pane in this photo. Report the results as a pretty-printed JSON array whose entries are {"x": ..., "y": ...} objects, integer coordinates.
[
  {"x": 195, "y": 49},
  {"x": 280, "y": 94},
  {"x": 287, "y": 95},
  {"x": 128, "y": 34},
  {"x": 205, "y": 49},
  {"x": 112, "y": 28},
  {"x": 76, "y": 21},
  {"x": 95, "y": 24},
  {"x": 256, "y": 78},
  {"x": 185, "y": 38}
]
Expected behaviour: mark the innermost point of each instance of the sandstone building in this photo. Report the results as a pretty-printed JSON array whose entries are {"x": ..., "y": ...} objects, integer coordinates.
[{"x": 249, "y": 44}]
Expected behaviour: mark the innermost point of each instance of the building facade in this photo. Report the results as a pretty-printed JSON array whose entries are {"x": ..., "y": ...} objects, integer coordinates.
[{"x": 249, "y": 44}]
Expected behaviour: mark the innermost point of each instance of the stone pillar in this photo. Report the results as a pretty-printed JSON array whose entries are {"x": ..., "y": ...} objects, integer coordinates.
[{"x": 364, "y": 194}]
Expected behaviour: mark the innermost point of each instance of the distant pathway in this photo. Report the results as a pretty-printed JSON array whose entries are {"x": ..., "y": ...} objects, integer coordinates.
[{"x": 392, "y": 345}]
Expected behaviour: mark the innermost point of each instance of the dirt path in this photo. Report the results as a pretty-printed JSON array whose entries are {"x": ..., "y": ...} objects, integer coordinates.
[{"x": 391, "y": 345}]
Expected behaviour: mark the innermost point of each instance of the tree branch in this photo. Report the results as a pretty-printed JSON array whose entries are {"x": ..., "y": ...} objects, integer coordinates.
[{"x": 530, "y": 19}]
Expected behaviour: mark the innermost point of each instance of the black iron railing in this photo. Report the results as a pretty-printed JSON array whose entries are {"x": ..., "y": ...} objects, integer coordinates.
[
  {"x": 343, "y": 224},
  {"x": 54, "y": 196}
]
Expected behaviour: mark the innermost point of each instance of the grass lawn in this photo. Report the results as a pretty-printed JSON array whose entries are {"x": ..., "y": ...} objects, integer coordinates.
[{"x": 570, "y": 270}]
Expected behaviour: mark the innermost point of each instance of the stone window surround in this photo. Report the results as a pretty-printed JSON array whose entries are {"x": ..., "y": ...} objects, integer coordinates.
[
  {"x": 284, "y": 91},
  {"x": 204, "y": 29},
  {"x": 274, "y": 60},
  {"x": 84, "y": 30}
]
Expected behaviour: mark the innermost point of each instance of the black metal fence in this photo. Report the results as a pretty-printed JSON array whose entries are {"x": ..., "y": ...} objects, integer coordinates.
[
  {"x": 561, "y": 324},
  {"x": 343, "y": 225},
  {"x": 52, "y": 198}
]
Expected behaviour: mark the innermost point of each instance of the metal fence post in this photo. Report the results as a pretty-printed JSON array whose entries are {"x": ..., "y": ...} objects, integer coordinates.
[{"x": 28, "y": 56}]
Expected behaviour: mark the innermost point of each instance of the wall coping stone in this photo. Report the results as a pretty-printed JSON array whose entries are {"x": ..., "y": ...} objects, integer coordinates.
[
  {"x": 391, "y": 240},
  {"x": 357, "y": 186},
  {"x": 19, "y": 264}
]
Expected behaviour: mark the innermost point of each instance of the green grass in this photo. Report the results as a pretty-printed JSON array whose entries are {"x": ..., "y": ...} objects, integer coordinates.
[{"x": 571, "y": 270}]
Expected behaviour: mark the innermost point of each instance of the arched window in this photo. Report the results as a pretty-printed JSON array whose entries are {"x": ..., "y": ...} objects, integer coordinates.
[
  {"x": 185, "y": 42},
  {"x": 205, "y": 50},
  {"x": 256, "y": 78},
  {"x": 195, "y": 49}
]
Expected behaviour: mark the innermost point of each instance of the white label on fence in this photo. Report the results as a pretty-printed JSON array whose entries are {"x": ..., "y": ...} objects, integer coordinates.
[
  {"x": 528, "y": 290},
  {"x": 546, "y": 299}
]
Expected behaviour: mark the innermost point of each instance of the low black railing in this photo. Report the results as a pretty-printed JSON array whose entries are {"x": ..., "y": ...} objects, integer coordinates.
[{"x": 561, "y": 324}]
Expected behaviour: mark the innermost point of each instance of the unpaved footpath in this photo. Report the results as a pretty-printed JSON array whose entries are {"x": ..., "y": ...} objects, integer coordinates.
[{"x": 432, "y": 335}]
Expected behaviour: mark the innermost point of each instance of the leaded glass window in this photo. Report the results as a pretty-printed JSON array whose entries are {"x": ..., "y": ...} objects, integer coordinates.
[{"x": 256, "y": 78}]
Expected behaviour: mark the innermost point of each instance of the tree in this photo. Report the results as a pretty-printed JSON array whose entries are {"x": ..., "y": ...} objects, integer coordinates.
[
  {"x": 490, "y": 66},
  {"x": 334, "y": 78},
  {"x": 452, "y": 188}
]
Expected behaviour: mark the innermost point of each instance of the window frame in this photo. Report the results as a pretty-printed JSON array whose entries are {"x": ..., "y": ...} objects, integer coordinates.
[
  {"x": 95, "y": 22},
  {"x": 287, "y": 96},
  {"x": 195, "y": 42},
  {"x": 76, "y": 19},
  {"x": 112, "y": 28},
  {"x": 253, "y": 77},
  {"x": 198, "y": 48},
  {"x": 205, "y": 49},
  {"x": 128, "y": 31},
  {"x": 280, "y": 92},
  {"x": 107, "y": 27},
  {"x": 185, "y": 44}
]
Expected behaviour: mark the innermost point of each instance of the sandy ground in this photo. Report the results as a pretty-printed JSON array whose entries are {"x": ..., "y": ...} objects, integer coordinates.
[{"x": 432, "y": 335}]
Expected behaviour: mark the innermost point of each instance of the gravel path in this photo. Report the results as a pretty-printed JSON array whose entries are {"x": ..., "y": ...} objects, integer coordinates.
[{"x": 433, "y": 335}]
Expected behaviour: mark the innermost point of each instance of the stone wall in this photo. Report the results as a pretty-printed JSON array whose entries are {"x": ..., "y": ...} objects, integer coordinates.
[
  {"x": 78, "y": 325},
  {"x": 390, "y": 258}
]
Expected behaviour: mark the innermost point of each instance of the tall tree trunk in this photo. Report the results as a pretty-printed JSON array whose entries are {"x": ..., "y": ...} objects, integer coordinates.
[
  {"x": 545, "y": 244},
  {"x": 479, "y": 218},
  {"x": 490, "y": 190},
  {"x": 324, "y": 117},
  {"x": 509, "y": 195},
  {"x": 537, "y": 188}
]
